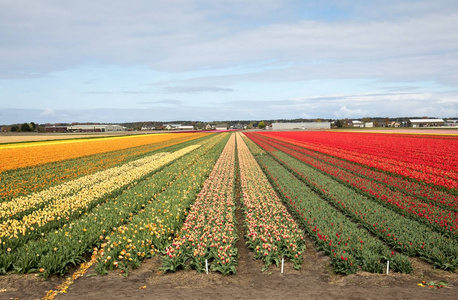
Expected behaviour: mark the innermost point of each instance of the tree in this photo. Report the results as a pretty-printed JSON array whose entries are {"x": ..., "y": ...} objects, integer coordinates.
[
  {"x": 339, "y": 123},
  {"x": 386, "y": 121},
  {"x": 25, "y": 127},
  {"x": 261, "y": 125},
  {"x": 14, "y": 128}
]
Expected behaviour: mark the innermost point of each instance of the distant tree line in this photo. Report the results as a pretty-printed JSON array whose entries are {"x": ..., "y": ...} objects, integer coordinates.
[{"x": 24, "y": 127}]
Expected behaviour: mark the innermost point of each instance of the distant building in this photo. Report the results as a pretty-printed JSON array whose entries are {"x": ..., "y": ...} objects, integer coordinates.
[
  {"x": 178, "y": 127},
  {"x": 172, "y": 126},
  {"x": 148, "y": 128},
  {"x": 301, "y": 126},
  {"x": 426, "y": 122},
  {"x": 185, "y": 127},
  {"x": 356, "y": 123},
  {"x": 222, "y": 126},
  {"x": 369, "y": 124},
  {"x": 96, "y": 128},
  {"x": 450, "y": 122},
  {"x": 56, "y": 129},
  {"x": 85, "y": 128}
]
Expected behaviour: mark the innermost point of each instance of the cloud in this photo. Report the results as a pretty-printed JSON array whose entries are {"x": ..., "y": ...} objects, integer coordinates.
[
  {"x": 165, "y": 102},
  {"x": 233, "y": 58},
  {"x": 196, "y": 89},
  {"x": 332, "y": 107},
  {"x": 98, "y": 92},
  {"x": 121, "y": 33},
  {"x": 48, "y": 112}
]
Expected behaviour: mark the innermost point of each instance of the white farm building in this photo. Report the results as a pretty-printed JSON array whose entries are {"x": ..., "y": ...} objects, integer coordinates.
[
  {"x": 178, "y": 127},
  {"x": 301, "y": 126},
  {"x": 86, "y": 128},
  {"x": 222, "y": 126},
  {"x": 96, "y": 128},
  {"x": 426, "y": 122}
]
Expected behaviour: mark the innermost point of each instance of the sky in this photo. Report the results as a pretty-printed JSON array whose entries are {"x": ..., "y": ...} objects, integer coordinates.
[{"x": 113, "y": 61}]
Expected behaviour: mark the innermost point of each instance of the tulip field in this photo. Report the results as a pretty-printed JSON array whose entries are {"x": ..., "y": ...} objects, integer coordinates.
[
  {"x": 368, "y": 179},
  {"x": 363, "y": 198}
]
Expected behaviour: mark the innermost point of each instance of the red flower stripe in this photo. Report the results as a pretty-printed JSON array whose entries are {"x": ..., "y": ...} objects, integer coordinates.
[
  {"x": 414, "y": 188},
  {"x": 405, "y": 235},
  {"x": 430, "y": 160},
  {"x": 439, "y": 218},
  {"x": 340, "y": 238}
]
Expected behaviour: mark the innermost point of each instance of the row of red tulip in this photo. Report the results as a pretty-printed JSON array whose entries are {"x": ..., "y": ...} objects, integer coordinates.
[
  {"x": 403, "y": 234},
  {"x": 430, "y": 160},
  {"x": 428, "y": 193},
  {"x": 440, "y": 218},
  {"x": 348, "y": 245}
]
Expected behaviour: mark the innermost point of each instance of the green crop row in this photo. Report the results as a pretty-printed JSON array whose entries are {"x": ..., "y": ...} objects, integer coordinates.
[
  {"x": 341, "y": 239},
  {"x": 405, "y": 235},
  {"x": 25, "y": 181},
  {"x": 208, "y": 236},
  {"x": 154, "y": 227},
  {"x": 272, "y": 233},
  {"x": 54, "y": 250}
]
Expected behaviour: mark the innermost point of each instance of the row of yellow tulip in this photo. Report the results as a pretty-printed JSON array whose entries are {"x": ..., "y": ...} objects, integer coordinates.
[
  {"x": 14, "y": 158},
  {"x": 61, "y": 191},
  {"x": 53, "y": 251},
  {"x": 24, "y": 181},
  {"x": 13, "y": 229},
  {"x": 154, "y": 227}
]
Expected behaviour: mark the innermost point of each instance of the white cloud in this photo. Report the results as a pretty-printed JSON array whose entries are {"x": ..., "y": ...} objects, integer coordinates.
[
  {"x": 261, "y": 51},
  {"x": 48, "y": 112},
  {"x": 196, "y": 89}
]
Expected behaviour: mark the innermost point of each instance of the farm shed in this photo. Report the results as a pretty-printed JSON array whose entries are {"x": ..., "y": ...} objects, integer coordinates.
[
  {"x": 55, "y": 128},
  {"x": 426, "y": 122},
  {"x": 172, "y": 126},
  {"x": 451, "y": 123},
  {"x": 301, "y": 126},
  {"x": 356, "y": 123},
  {"x": 185, "y": 127},
  {"x": 96, "y": 128},
  {"x": 221, "y": 127}
]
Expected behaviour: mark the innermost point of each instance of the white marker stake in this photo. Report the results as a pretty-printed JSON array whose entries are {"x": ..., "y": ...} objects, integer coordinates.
[
  {"x": 387, "y": 267},
  {"x": 282, "y": 262},
  {"x": 206, "y": 266}
]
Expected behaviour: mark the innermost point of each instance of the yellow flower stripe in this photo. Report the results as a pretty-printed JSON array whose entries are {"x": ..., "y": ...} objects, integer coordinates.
[
  {"x": 70, "y": 140},
  {"x": 28, "y": 180},
  {"x": 20, "y": 204},
  {"x": 79, "y": 201},
  {"x": 14, "y": 158}
]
